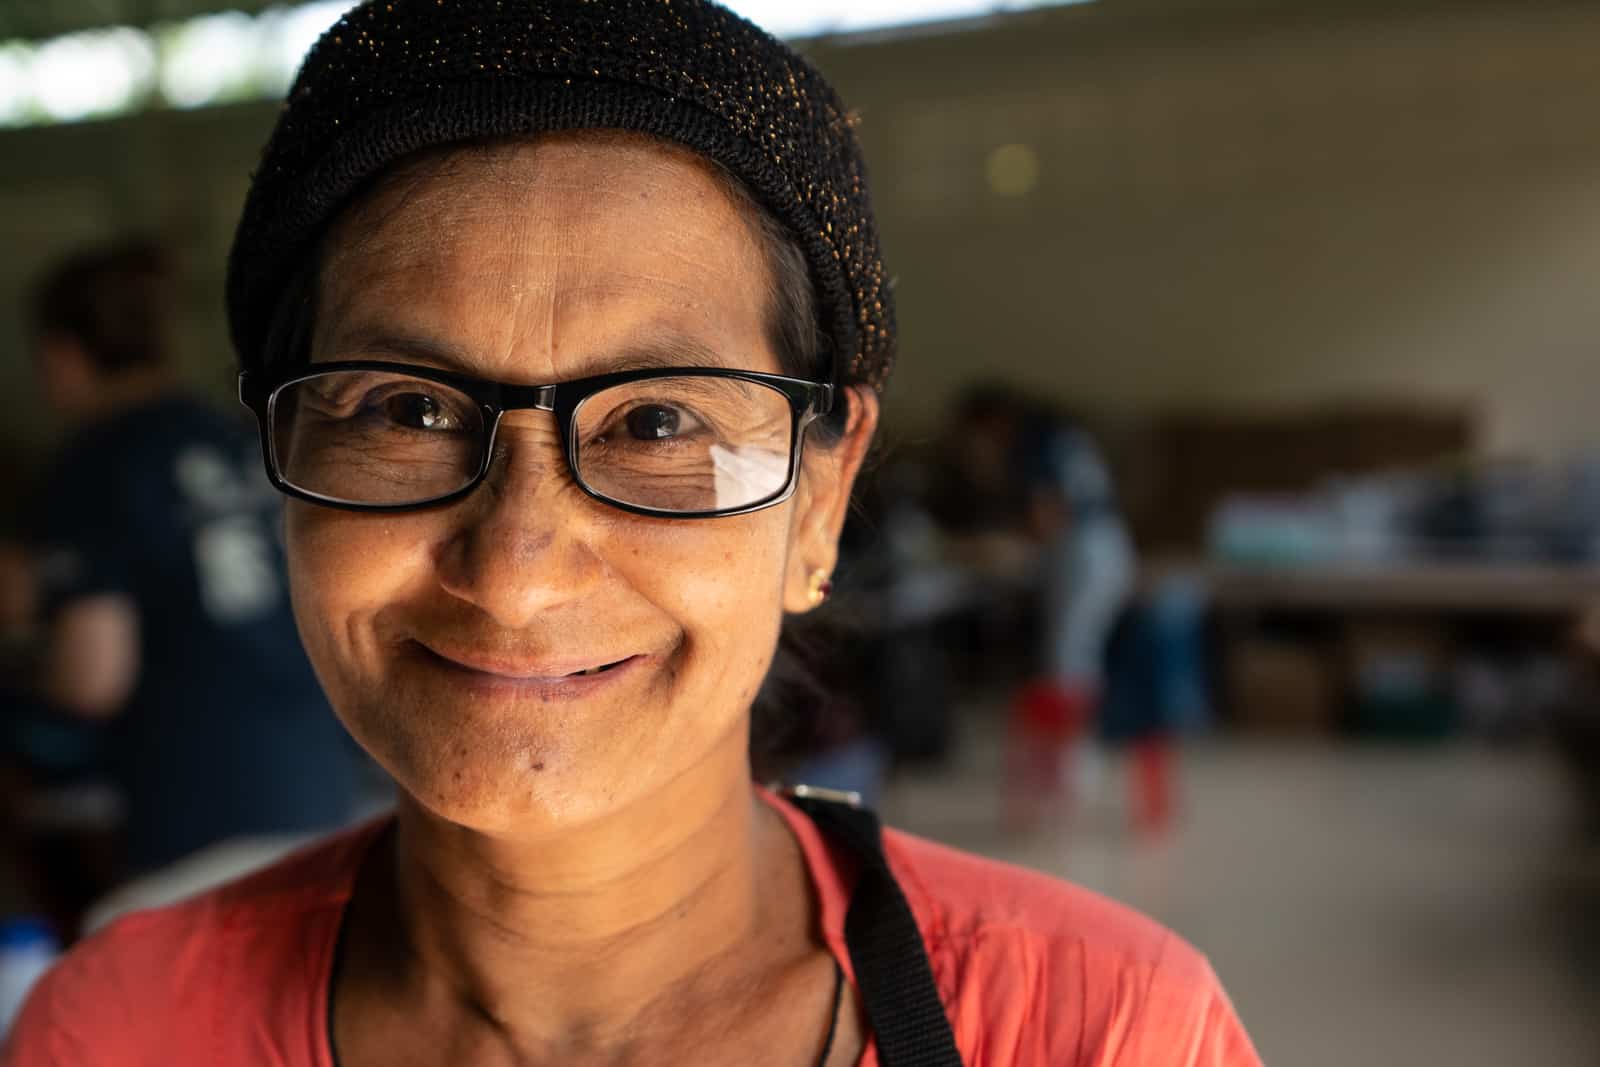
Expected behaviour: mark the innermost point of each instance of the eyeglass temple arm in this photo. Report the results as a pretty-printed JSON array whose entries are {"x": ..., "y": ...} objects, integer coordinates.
[{"x": 247, "y": 390}]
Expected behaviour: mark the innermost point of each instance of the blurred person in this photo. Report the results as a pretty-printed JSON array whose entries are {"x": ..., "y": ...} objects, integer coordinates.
[
  {"x": 1090, "y": 560},
  {"x": 568, "y": 363},
  {"x": 59, "y": 820},
  {"x": 1043, "y": 472},
  {"x": 161, "y": 591},
  {"x": 1090, "y": 572}
]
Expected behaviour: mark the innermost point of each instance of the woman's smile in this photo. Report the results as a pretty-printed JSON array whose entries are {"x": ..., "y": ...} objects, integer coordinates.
[{"x": 546, "y": 677}]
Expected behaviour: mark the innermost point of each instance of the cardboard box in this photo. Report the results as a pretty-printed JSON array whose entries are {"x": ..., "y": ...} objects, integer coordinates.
[{"x": 1280, "y": 686}]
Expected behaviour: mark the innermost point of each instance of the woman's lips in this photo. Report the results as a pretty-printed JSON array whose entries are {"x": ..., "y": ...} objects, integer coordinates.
[{"x": 549, "y": 677}]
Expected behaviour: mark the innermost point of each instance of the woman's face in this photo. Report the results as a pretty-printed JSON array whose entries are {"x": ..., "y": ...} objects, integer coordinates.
[{"x": 444, "y": 637}]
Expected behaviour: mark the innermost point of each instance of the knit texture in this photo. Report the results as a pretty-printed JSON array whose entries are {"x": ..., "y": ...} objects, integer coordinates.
[{"x": 393, "y": 77}]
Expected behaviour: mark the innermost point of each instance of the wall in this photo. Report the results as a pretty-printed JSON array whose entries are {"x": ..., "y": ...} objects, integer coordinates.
[
  {"x": 1252, "y": 209},
  {"x": 1237, "y": 206}
]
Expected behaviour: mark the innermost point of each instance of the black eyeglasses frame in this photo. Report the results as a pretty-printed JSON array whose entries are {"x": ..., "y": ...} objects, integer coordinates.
[{"x": 808, "y": 401}]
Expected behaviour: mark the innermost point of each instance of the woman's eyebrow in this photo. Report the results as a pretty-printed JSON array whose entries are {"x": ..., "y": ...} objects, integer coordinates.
[
  {"x": 660, "y": 350},
  {"x": 406, "y": 347}
]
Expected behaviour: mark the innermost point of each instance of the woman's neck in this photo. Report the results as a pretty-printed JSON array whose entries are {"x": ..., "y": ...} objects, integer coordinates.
[{"x": 594, "y": 938}]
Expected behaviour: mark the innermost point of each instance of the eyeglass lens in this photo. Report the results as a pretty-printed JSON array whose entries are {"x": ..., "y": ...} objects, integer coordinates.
[{"x": 676, "y": 444}]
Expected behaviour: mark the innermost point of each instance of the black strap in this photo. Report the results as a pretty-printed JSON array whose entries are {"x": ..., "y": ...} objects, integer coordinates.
[
  {"x": 891, "y": 962},
  {"x": 833, "y": 1017}
]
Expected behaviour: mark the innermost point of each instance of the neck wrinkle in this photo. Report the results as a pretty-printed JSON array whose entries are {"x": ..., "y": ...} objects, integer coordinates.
[{"x": 572, "y": 941}]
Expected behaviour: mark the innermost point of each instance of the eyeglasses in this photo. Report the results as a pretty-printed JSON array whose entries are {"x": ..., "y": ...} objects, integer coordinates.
[{"x": 684, "y": 442}]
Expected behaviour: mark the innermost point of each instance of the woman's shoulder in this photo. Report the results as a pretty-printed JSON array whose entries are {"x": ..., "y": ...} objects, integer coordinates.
[
  {"x": 960, "y": 896},
  {"x": 1058, "y": 972},
  {"x": 161, "y": 979}
]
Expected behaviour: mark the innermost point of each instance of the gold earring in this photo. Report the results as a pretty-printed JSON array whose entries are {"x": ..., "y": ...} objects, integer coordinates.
[{"x": 819, "y": 588}]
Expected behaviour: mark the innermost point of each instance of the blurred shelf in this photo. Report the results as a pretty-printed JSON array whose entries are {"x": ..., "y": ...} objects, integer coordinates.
[{"x": 1496, "y": 588}]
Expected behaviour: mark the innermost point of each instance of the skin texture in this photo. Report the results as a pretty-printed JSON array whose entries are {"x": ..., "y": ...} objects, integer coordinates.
[{"x": 581, "y": 875}]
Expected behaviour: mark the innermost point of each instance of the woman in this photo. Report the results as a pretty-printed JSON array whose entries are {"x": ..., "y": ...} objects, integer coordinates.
[{"x": 537, "y": 304}]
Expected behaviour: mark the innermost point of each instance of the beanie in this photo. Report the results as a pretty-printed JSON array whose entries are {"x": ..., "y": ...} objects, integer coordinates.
[{"x": 394, "y": 77}]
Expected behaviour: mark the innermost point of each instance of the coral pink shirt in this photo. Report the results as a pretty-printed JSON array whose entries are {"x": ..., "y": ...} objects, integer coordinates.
[{"x": 1034, "y": 971}]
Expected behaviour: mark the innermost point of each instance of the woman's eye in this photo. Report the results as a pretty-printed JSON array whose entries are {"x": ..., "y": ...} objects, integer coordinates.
[
  {"x": 416, "y": 411},
  {"x": 656, "y": 422}
]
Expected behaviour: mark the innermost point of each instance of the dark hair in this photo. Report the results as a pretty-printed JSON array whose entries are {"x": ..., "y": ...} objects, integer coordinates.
[
  {"x": 795, "y": 684},
  {"x": 793, "y": 324},
  {"x": 114, "y": 300}
]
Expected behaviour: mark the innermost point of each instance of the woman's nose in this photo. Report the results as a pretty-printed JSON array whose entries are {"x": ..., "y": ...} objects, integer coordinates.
[{"x": 522, "y": 542}]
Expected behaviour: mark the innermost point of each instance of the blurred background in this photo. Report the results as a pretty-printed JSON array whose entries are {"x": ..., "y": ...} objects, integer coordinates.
[{"x": 1235, "y": 544}]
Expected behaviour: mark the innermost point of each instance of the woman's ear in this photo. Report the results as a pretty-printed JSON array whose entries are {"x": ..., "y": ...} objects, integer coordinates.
[{"x": 822, "y": 499}]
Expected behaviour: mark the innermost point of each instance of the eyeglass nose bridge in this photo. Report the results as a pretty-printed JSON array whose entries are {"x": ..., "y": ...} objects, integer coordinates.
[
  {"x": 509, "y": 398},
  {"x": 527, "y": 398},
  {"x": 520, "y": 398}
]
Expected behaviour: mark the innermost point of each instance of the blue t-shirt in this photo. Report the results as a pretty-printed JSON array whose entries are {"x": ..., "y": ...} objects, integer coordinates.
[{"x": 227, "y": 731}]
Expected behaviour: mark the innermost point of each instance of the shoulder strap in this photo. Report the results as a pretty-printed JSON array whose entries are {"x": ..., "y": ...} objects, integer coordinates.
[{"x": 891, "y": 963}]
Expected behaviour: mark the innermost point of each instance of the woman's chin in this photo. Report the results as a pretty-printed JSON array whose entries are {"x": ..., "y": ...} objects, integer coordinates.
[
  {"x": 505, "y": 803},
  {"x": 494, "y": 773}
]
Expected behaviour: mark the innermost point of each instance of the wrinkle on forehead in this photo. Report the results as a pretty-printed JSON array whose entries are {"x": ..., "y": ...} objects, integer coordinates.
[
  {"x": 513, "y": 240},
  {"x": 431, "y": 187}
]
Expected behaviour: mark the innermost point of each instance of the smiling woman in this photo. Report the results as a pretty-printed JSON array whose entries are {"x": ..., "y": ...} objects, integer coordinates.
[{"x": 565, "y": 322}]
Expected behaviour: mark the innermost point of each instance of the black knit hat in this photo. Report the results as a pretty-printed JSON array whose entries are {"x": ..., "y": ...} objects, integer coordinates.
[{"x": 396, "y": 76}]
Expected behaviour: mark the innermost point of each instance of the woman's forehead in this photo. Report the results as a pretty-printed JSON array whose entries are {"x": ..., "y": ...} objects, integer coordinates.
[
  {"x": 561, "y": 243},
  {"x": 553, "y": 183}
]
